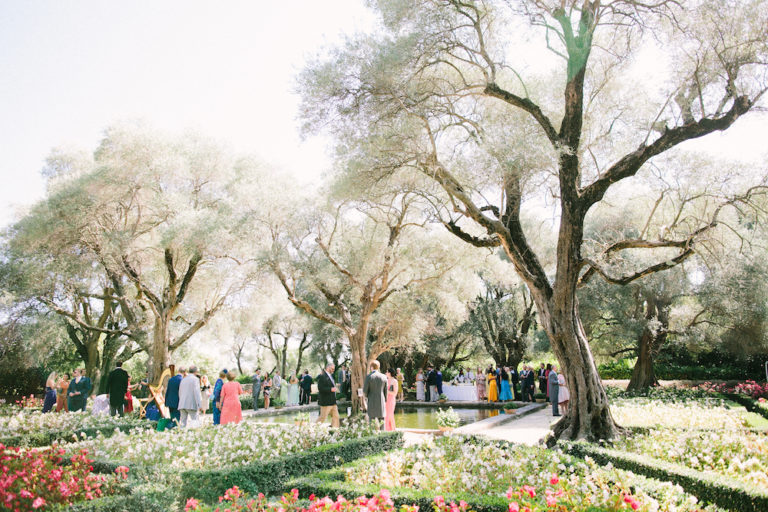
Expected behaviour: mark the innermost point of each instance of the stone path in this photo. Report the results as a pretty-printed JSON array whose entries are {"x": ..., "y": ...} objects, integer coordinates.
[{"x": 530, "y": 429}]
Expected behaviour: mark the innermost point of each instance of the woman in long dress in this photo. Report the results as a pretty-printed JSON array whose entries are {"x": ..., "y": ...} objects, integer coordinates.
[
  {"x": 493, "y": 391},
  {"x": 420, "y": 386},
  {"x": 389, "y": 413},
  {"x": 128, "y": 407},
  {"x": 480, "y": 384},
  {"x": 563, "y": 396},
  {"x": 61, "y": 393},
  {"x": 293, "y": 393},
  {"x": 506, "y": 393},
  {"x": 229, "y": 400},
  {"x": 205, "y": 392},
  {"x": 266, "y": 390}
]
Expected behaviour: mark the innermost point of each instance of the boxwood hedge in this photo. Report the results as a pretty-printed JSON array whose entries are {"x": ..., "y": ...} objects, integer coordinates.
[
  {"x": 719, "y": 490},
  {"x": 272, "y": 476},
  {"x": 48, "y": 437}
]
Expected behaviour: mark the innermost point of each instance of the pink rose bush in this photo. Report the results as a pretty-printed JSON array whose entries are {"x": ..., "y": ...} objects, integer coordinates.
[
  {"x": 750, "y": 388},
  {"x": 35, "y": 479},
  {"x": 558, "y": 498}
]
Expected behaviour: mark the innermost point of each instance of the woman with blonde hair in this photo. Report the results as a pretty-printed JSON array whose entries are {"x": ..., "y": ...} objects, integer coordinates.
[
  {"x": 563, "y": 396},
  {"x": 480, "y": 384},
  {"x": 50, "y": 392}
]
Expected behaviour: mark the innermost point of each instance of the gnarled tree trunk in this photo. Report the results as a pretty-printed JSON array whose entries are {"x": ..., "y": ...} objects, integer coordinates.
[{"x": 650, "y": 341}]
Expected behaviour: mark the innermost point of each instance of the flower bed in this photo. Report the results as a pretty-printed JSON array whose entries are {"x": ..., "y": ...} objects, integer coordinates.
[
  {"x": 33, "y": 428},
  {"x": 740, "y": 455},
  {"x": 488, "y": 474},
  {"x": 700, "y": 414},
  {"x": 749, "y": 388},
  {"x": 38, "y": 479},
  {"x": 207, "y": 460}
]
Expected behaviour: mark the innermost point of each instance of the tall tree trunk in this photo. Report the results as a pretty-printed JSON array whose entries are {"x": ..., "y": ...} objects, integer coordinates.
[
  {"x": 160, "y": 349},
  {"x": 358, "y": 366},
  {"x": 589, "y": 414},
  {"x": 651, "y": 339}
]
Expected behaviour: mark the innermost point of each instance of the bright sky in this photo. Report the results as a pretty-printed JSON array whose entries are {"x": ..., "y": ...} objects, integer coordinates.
[{"x": 70, "y": 69}]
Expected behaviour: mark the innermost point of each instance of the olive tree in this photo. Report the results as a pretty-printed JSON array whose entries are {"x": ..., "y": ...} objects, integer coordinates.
[{"x": 450, "y": 89}]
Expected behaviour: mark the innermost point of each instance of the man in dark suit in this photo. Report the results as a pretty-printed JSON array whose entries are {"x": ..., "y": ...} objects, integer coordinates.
[
  {"x": 326, "y": 390},
  {"x": 529, "y": 384},
  {"x": 117, "y": 386},
  {"x": 172, "y": 395},
  {"x": 432, "y": 384},
  {"x": 306, "y": 388},
  {"x": 439, "y": 381},
  {"x": 515, "y": 383},
  {"x": 542, "y": 374}
]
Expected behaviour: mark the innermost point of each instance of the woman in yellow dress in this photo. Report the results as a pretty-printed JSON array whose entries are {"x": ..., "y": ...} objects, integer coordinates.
[{"x": 493, "y": 390}]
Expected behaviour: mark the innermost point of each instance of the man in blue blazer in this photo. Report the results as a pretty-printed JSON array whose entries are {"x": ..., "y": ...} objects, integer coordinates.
[{"x": 172, "y": 395}]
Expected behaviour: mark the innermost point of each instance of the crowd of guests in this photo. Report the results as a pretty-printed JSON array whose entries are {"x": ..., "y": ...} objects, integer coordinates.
[{"x": 499, "y": 384}]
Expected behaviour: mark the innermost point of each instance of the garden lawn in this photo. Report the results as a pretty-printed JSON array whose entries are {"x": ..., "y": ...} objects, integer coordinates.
[{"x": 485, "y": 473}]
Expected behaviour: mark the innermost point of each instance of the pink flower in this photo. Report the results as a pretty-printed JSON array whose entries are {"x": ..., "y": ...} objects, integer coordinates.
[
  {"x": 529, "y": 490},
  {"x": 554, "y": 480},
  {"x": 39, "y": 502},
  {"x": 551, "y": 501},
  {"x": 25, "y": 493},
  {"x": 295, "y": 493},
  {"x": 514, "y": 507},
  {"x": 191, "y": 505}
]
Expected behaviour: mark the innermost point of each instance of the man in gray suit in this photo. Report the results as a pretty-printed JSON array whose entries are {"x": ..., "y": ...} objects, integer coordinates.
[
  {"x": 190, "y": 399},
  {"x": 375, "y": 392},
  {"x": 256, "y": 380},
  {"x": 554, "y": 389}
]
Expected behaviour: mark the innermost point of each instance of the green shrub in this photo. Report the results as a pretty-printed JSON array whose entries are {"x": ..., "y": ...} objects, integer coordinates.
[
  {"x": 719, "y": 490},
  {"x": 134, "y": 502},
  {"x": 47, "y": 438},
  {"x": 272, "y": 476},
  {"x": 749, "y": 404}
]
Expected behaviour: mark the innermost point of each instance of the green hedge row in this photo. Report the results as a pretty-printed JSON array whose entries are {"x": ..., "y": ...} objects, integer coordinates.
[
  {"x": 719, "y": 490},
  {"x": 271, "y": 476},
  {"x": 134, "y": 502},
  {"x": 48, "y": 437}
]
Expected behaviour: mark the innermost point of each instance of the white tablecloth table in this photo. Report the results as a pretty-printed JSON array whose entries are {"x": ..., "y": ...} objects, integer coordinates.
[{"x": 460, "y": 392}]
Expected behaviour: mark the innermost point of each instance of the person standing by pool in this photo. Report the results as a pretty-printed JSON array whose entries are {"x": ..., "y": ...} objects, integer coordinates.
[
  {"x": 432, "y": 384},
  {"x": 50, "y": 393},
  {"x": 217, "y": 396},
  {"x": 267, "y": 387},
  {"x": 505, "y": 394},
  {"x": 493, "y": 391},
  {"x": 375, "y": 392},
  {"x": 256, "y": 389},
  {"x": 420, "y": 386},
  {"x": 78, "y": 391},
  {"x": 117, "y": 387},
  {"x": 389, "y": 416},
  {"x": 61, "y": 393},
  {"x": 293, "y": 391},
  {"x": 306, "y": 388},
  {"x": 229, "y": 400},
  {"x": 480, "y": 384},
  {"x": 326, "y": 391},
  {"x": 400, "y": 391},
  {"x": 554, "y": 390}
]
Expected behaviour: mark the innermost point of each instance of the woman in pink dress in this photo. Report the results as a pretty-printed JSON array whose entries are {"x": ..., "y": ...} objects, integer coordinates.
[
  {"x": 229, "y": 401},
  {"x": 389, "y": 414}
]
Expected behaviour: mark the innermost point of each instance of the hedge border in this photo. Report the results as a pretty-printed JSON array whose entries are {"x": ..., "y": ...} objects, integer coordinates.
[
  {"x": 134, "y": 502},
  {"x": 272, "y": 476},
  {"x": 49, "y": 437},
  {"x": 719, "y": 490}
]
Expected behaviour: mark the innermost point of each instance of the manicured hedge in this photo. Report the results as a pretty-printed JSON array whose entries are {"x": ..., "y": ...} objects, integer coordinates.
[
  {"x": 331, "y": 483},
  {"x": 272, "y": 476},
  {"x": 134, "y": 502},
  {"x": 719, "y": 490},
  {"x": 48, "y": 437}
]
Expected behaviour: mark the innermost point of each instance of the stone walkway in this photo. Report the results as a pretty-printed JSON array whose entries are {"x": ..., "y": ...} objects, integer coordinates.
[{"x": 530, "y": 429}]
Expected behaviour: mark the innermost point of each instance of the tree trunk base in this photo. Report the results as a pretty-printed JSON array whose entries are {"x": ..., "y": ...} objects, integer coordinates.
[{"x": 568, "y": 429}]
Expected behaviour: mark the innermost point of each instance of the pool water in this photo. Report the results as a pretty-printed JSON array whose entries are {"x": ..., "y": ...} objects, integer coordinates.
[{"x": 405, "y": 417}]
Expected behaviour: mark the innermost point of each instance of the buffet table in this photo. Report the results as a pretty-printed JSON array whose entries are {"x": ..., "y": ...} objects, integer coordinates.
[{"x": 460, "y": 392}]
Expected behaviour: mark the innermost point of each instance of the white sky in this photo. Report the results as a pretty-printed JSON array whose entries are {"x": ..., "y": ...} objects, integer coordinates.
[{"x": 70, "y": 69}]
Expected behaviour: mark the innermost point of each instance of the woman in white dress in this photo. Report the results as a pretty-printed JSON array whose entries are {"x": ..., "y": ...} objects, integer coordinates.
[
  {"x": 563, "y": 395},
  {"x": 420, "y": 386}
]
